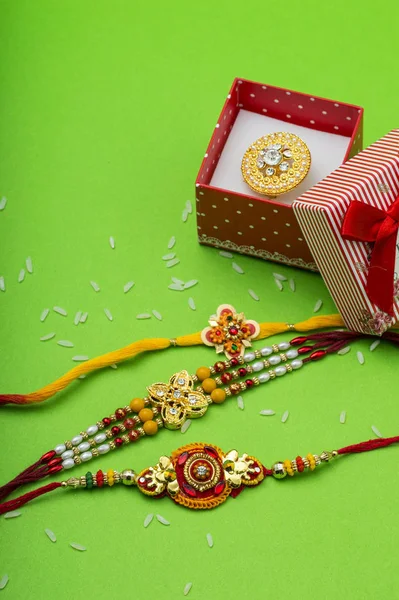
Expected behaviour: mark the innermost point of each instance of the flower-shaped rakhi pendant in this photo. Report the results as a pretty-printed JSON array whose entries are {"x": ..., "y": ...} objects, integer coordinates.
[
  {"x": 200, "y": 476},
  {"x": 230, "y": 332}
]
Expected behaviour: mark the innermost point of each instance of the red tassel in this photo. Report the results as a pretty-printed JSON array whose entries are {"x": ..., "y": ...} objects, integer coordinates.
[{"x": 18, "y": 502}]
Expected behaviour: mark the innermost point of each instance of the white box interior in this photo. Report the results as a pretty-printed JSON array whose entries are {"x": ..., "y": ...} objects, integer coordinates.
[{"x": 327, "y": 150}]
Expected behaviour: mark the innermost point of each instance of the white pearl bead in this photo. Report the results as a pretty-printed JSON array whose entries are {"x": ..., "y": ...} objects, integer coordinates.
[
  {"x": 275, "y": 359},
  {"x": 258, "y": 366},
  {"x": 100, "y": 437},
  {"x": 280, "y": 370},
  {"x": 292, "y": 353},
  {"x": 60, "y": 449},
  {"x": 296, "y": 364},
  {"x": 92, "y": 430},
  {"x": 68, "y": 463},
  {"x": 86, "y": 456},
  {"x": 84, "y": 446},
  {"x": 249, "y": 356},
  {"x": 266, "y": 351},
  {"x": 283, "y": 345},
  {"x": 263, "y": 377},
  {"x": 67, "y": 454},
  {"x": 103, "y": 449},
  {"x": 76, "y": 440}
]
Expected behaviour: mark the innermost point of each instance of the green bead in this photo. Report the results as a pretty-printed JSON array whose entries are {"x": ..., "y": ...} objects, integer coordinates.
[{"x": 89, "y": 480}]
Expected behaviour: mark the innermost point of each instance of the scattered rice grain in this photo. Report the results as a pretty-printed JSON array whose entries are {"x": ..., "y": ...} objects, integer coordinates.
[
  {"x": 240, "y": 402},
  {"x": 44, "y": 314},
  {"x": 225, "y": 254},
  {"x": 172, "y": 263},
  {"x": 77, "y": 318},
  {"x": 360, "y": 357},
  {"x": 190, "y": 284},
  {"x": 65, "y": 343},
  {"x": 169, "y": 256},
  {"x": 178, "y": 287},
  {"x": 82, "y": 376},
  {"x": 108, "y": 314},
  {"x": 318, "y": 306},
  {"x": 21, "y": 276},
  {"x": 342, "y": 417},
  {"x": 253, "y": 295},
  {"x": 344, "y": 350},
  {"x": 162, "y": 520},
  {"x": 237, "y": 268},
  {"x": 29, "y": 265},
  {"x": 113, "y": 366},
  {"x": 12, "y": 514},
  {"x": 60, "y": 311},
  {"x": 191, "y": 304},
  {"x": 76, "y": 546},
  {"x": 209, "y": 539},
  {"x": 187, "y": 588},
  {"x": 112, "y": 242},
  {"x": 47, "y": 337},
  {"x": 3, "y": 582},
  {"x": 171, "y": 242},
  {"x": 267, "y": 412},
  {"x": 128, "y": 286},
  {"x": 148, "y": 519},
  {"x": 374, "y": 345},
  {"x": 279, "y": 277},
  {"x": 3, "y": 203},
  {"x": 189, "y": 206},
  {"x": 285, "y": 416},
  {"x": 143, "y": 316},
  {"x": 84, "y": 317},
  {"x": 376, "y": 431},
  {"x": 51, "y": 535},
  {"x": 292, "y": 285},
  {"x": 157, "y": 315},
  {"x": 185, "y": 426},
  {"x": 175, "y": 280},
  {"x": 2, "y": 284},
  {"x": 279, "y": 284},
  {"x": 80, "y": 358},
  {"x": 184, "y": 215},
  {"x": 95, "y": 286}
]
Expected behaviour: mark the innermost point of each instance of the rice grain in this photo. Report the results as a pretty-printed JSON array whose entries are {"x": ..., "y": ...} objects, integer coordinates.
[
  {"x": 184, "y": 215},
  {"x": 29, "y": 265},
  {"x": 279, "y": 277},
  {"x": 285, "y": 416},
  {"x": 65, "y": 343},
  {"x": 44, "y": 314},
  {"x": 143, "y": 316},
  {"x": 79, "y": 547},
  {"x": 171, "y": 242},
  {"x": 4, "y": 580},
  {"x": 360, "y": 357},
  {"x": 225, "y": 254},
  {"x": 318, "y": 306},
  {"x": 162, "y": 520},
  {"x": 112, "y": 242},
  {"x": 267, "y": 412},
  {"x": 237, "y": 268},
  {"x": 148, "y": 519},
  {"x": 191, "y": 303},
  {"x": 128, "y": 286},
  {"x": 95, "y": 286},
  {"x": 342, "y": 417},
  {"x": 47, "y": 337},
  {"x": 190, "y": 284},
  {"x": 187, "y": 588},
  {"x": 172, "y": 263},
  {"x": 376, "y": 431},
  {"x": 157, "y": 315},
  {"x": 2, "y": 284},
  {"x": 209, "y": 539},
  {"x": 169, "y": 256},
  {"x": 292, "y": 285},
  {"x": 60, "y": 311},
  {"x": 374, "y": 345},
  {"x": 240, "y": 402},
  {"x": 3, "y": 203},
  {"x": 253, "y": 295},
  {"x": 77, "y": 318},
  {"x": 185, "y": 426},
  {"x": 21, "y": 276},
  {"x": 279, "y": 284},
  {"x": 80, "y": 358},
  {"x": 177, "y": 287},
  {"x": 12, "y": 514},
  {"x": 344, "y": 350},
  {"x": 108, "y": 314},
  {"x": 84, "y": 317},
  {"x": 51, "y": 535}
]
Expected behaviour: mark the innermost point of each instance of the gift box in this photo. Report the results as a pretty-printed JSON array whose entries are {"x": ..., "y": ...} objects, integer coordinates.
[
  {"x": 350, "y": 222},
  {"x": 229, "y": 214}
]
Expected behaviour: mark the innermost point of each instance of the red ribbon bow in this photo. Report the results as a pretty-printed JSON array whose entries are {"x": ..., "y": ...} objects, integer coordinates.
[{"x": 365, "y": 223}]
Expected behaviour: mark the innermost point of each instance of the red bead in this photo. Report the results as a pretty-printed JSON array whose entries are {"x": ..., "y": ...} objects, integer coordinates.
[
  {"x": 242, "y": 372},
  {"x": 219, "y": 366},
  {"x": 182, "y": 458},
  {"x": 190, "y": 491},
  {"x": 118, "y": 441},
  {"x": 120, "y": 414},
  {"x": 235, "y": 389},
  {"x": 249, "y": 383},
  {"x": 128, "y": 423},
  {"x": 48, "y": 456},
  {"x": 304, "y": 349},
  {"x": 218, "y": 332},
  {"x": 100, "y": 478},
  {"x": 226, "y": 377},
  {"x": 233, "y": 330},
  {"x": 133, "y": 436},
  {"x": 299, "y": 464},
  {"x": 234, "y": 362},
  {"x": 106, "y": 421},
  {"x": 219, "y": 488},
  {"x": 244, "y": 329},
  {"x": 55, "y": 469},
  {"x": 298, "y": 341},
  {"x": 318, "y": 355},
  {"x": 54, "y": 462},
  {"x": 115, "y": 430},
  {"x": 211, "y": 451}
]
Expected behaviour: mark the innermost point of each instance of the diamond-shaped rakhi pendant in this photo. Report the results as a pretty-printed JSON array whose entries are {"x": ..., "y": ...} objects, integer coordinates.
[
  {"x": 230, "y": 332},
  {"x": 201, "y": 476},
  {"x": 276, "y": 163}
]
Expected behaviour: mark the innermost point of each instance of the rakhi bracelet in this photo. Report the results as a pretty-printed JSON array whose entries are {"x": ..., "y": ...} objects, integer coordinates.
[
  {"x": 198, "y": 475},
  {"x": 171, "y": 404}
]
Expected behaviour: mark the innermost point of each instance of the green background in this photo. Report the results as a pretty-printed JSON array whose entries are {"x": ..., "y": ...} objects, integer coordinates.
[{"x": 106, "y": 109}]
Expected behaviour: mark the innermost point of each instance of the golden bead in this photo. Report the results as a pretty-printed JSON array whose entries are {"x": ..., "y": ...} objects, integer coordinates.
[
  {"x": 279, "y": 471},
  {"x": 203, "y": 373},
  {"x": 137, "y": 404},
  {"x": 218, "y": 396},
  {"x": 146, "y": 414},
  {"x": 150, "y": 427},
  {"x": 208, "y": 385}
]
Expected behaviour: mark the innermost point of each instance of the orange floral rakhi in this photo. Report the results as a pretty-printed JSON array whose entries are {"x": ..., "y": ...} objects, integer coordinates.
[{"x": 230, "y": 332}]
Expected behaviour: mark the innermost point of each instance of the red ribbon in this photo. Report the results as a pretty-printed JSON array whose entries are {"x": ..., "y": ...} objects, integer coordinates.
[{"x": 365, "y": 223}]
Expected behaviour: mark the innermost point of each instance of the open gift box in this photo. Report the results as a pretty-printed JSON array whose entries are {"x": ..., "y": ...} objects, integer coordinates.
[
  {"x": 230, "y": 215},
  {"x": 350, "y": 221}
]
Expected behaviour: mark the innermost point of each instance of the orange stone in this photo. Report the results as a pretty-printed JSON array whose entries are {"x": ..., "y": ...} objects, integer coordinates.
[
  {"x": 218, "y": 396},
  {"x": 146, "y": 414},
  {"x": 208, "y": 385},
  {"x": 137, "y": 404},
  {"x": 150, "y": 427}
]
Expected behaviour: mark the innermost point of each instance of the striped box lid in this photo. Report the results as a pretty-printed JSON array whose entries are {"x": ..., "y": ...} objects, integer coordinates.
[{"x": 372, "y": 176}]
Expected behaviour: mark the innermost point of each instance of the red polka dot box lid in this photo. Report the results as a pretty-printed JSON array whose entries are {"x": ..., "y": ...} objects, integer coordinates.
[
  {"x": 350, "y": 221},
  {"x": 231, "y": 214}
]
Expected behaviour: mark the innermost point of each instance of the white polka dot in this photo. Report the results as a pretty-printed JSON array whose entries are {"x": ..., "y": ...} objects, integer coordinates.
[
  {"x": 230, "y": 111},
  {"x": 288, "y": 224},
  {"x": 198, "y": 227},
  {"x": 312, "y": 122},
  {"x": 214, "y": 206},
  {"x": 215, "y": 227},
  {"x": 263, "y": 218},
  {"x": 288, "y": 116},
  {"x": 348, "y": 119},
  {"x": 251, "y": 226},
  {"x": 207, "y": 170},
  {"x": 239, "y": 232},
  {"x": 198, "y": 214},
  {"x": 288, "y": 245},
  {"x": 226, "y": 221},
  {"x": 206, "y": 155},
  {"x": 300, "y": 240},
  {"x": 264, "y": 239},
  {"x": 228, "y": 96},
  {"x": 275, "y": 232},
  {"x": 238, "y": 212},
  {"x": 288, "y": 93},
  {"x": 275, "y": 210},
  {"x": 217, "y": 125},
  {"x": 336, "y": 104},
  {"x": 201, "y": 193},
  {"x": 197, "y": 185},
  {"x": 336, "y": 127},
  {"x": 218, "y": 141},
  {"x": 203, "y": 215},
  {"x": 224, "y": 118},
  {"x": 240, "y": 105},
  {"x": 264, "y": 87},
  {"x": 225, "y": 133},
  {"x": 213, "y": 162},
  {"x": 213, "y": 145},
  {"x": 226, "y": 199},
  {"x": 198, "y": 199},
  {"x": 251, "y": 205},
  {"x": 240, "y": 82},
  {"x": 311, "y": 99},
  {"x": 252, "y": 95},
  {"x": 264, "y": 110},
  {"x": 276, "y": 101},
  {"x": 300, "y": 106},
  {"x": 323, "y": 112}
]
